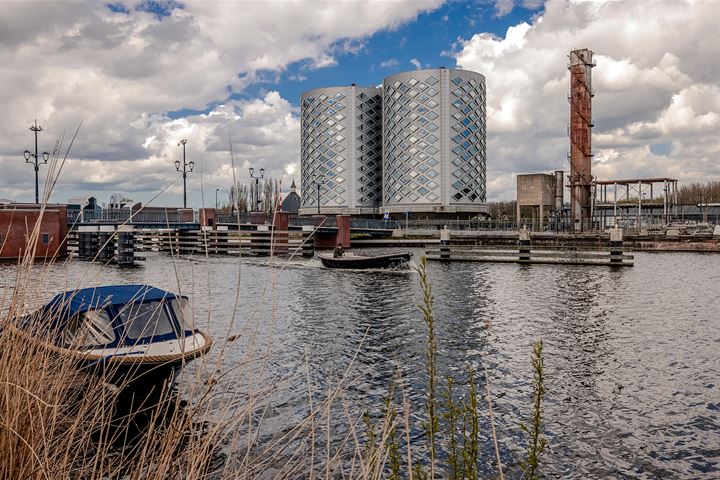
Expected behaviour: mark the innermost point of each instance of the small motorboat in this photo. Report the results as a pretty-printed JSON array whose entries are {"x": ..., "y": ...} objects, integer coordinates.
[
  {"x": 135, "y": 335},
  {"x": 350, "y": 261}
]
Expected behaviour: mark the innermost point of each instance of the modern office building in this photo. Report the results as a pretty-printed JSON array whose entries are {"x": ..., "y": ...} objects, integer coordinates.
[
  {"x": 434, "y": 142},
  {"x": 341, "y": 156},
  {"x": 415, "y": 145}
]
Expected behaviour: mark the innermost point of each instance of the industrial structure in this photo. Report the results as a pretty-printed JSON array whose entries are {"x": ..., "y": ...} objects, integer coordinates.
[
  {"x": 543, "y": 195},
  {"x": 630, "y": 197},
  {"x": 415, "y": 146},
  {"x": 580, "y": 131},
  {"x": 340, "y": 150}
]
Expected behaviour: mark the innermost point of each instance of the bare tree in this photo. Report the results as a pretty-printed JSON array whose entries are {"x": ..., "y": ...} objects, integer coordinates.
[
  {"x": 239, "y": 197},
  {"x": 695, "y": 193}
]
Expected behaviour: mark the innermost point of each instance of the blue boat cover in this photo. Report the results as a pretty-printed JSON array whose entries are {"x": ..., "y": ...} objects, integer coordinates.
[{"x": 75, "y": 301}]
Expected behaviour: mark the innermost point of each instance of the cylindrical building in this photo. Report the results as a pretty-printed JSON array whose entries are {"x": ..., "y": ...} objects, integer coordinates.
[
  {"x": 341, "y": 156},
  {"x": 434, "y": 142}
]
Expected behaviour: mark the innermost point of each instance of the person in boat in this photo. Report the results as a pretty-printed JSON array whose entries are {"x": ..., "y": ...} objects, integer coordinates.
[{"x": 339, "y": 251}]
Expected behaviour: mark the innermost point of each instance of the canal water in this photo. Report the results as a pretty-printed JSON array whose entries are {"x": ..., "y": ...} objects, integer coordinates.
[{"x": 632, "y": 355}]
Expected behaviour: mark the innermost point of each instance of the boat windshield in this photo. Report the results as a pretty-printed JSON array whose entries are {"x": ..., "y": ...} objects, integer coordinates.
[
  {"x": 87, "y": 329},
  {"x": 146, "y": 320},
  {"x": 181, "y": 307}
]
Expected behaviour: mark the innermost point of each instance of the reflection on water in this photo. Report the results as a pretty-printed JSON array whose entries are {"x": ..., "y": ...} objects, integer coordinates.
[{"x": 631, "y": 354}]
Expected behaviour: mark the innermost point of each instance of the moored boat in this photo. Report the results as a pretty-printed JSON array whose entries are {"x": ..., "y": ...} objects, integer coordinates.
[
  {"x": 349, "y": 261},
  {"x": 135, "y": 335}
]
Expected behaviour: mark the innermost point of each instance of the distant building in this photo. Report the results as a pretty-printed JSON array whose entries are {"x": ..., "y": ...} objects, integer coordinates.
[
  {"x": 434, "y": 142},
  {"x": 340, "y": 149},
  {"x": 418, "y": 144},
  {"x": 291, "y": 203},
  {"x": 83, "y": 209}
]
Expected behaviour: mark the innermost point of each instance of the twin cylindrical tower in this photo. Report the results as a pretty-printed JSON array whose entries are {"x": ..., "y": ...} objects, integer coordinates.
[{"x": 415, "y": 145}]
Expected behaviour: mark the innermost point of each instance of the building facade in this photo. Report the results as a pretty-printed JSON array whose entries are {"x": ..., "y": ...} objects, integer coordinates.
[
  {"x": 341, "y": 150},
  {"x": 434, "y": 140}
]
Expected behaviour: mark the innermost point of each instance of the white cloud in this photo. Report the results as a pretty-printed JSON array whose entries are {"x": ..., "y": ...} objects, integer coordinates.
[
  {"x": 656, "y": 82},
  {"x": 416, "y": 63},
  {"x": 122, "y": 74},
  {"x": 390, "y": 63}
]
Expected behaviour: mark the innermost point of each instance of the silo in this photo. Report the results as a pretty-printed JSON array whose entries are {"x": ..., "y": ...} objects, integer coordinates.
[
  {"x": 434, "y": 142},
  {"x": 340, "y": 139}
]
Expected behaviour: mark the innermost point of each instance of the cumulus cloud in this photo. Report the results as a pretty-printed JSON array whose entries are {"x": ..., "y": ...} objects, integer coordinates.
[
  {"x": 128, "y": 74},
  {"x": 656, "y": 82}
]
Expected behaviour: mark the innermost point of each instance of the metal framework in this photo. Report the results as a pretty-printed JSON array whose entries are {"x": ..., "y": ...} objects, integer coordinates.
[{"x": 629, "y": 196}]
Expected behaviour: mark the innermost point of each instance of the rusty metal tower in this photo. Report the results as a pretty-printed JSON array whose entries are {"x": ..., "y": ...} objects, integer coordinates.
[{"x": 580, "y": 132}]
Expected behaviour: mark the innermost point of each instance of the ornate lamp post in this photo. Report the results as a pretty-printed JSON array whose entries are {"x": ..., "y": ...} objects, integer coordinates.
[
  {"x": 319, "y": 182},
  {"x": 257, "y": 183},
  {"x": 45, "y": 155},
  {"x": 186, "y": 168},
  {"x": 216, "y": 202}
]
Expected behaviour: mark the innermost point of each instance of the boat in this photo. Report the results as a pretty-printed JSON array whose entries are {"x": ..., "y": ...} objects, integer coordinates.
[
  {"x": 350, "y": 261},
  {"x": 136, "y": 336}
]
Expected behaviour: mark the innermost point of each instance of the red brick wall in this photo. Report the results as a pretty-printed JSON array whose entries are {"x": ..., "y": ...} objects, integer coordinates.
[{"x": 17, "y": 223}]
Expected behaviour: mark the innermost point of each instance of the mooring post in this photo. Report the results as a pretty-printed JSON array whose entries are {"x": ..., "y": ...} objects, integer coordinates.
[
  {"x": 445, "y": 243},
  {"x": 616, "y": 245},
  {"x": 524, "y": 244}
]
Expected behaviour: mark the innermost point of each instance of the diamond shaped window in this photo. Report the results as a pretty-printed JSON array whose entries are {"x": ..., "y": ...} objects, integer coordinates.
[
  {"x": 412, "y": 82},
  {"x": 457, "y": 80},
  {"x": 432, "y": 92},
  {"x": 431, "y": 126},
  {"x": 432, "y": 103},
  {"x": 339, "y": 106},
  {"x": 431, "y": 80}
]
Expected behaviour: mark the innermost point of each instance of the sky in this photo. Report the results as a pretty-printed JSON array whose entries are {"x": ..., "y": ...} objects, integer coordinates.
[{"x": 137, "y": 76}]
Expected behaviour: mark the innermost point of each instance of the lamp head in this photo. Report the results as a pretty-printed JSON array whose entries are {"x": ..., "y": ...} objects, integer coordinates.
[
  {"x": 177, "y": 165},
  {"x": 252, "y": 170},
  {"x": 46, "y": 155},
  {"x": 191, "y": 165},
  {"x": 27, "y": 155},
  {"x": 262, "y": 172},
  {"x": 182, "y": 142}
]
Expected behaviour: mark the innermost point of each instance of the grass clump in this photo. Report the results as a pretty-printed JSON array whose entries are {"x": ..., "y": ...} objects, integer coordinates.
[{"x": 451, "y": 423}]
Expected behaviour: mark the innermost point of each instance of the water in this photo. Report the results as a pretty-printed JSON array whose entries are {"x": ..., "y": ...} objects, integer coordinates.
[{"x": 631, "y": 354}]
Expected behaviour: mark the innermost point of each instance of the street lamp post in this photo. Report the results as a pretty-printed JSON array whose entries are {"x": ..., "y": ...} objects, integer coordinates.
[
  {"x": 186, "y": 168},
  {"x": 216, "y": 202},
  {"x": 257, "y": 185},
  {"x": 319, "y": 181},
  {"x": 45, "y": 155}
]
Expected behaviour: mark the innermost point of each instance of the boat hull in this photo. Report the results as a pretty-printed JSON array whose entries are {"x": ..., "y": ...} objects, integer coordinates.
[{"x": 361, "y": 262}]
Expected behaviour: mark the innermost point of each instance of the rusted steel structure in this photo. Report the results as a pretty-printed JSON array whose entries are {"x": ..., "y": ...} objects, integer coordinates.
[
  {"x": 629, "y": 197},
  {"x": 580, "y": 132}
]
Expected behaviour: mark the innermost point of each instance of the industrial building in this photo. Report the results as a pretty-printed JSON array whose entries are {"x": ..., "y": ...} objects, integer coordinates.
[
  {"x": 340, "y": 154},
  {"x": 417, "y": 145}
]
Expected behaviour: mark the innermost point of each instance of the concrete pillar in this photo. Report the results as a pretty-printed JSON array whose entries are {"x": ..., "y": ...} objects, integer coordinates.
[
  {"x": 280, "y": 233},
  {"x": 208, "y": 217},
  {"x": 616, "y": 245},
  {"x": 343, "y": 232},
  {"x": 524, "y": 245},
  {"x": 445, "y": 243}
]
